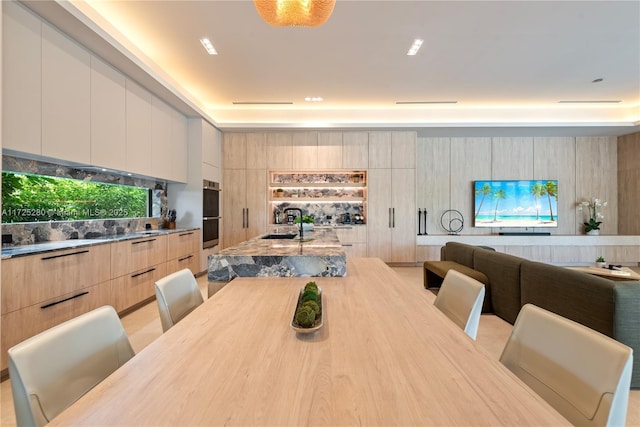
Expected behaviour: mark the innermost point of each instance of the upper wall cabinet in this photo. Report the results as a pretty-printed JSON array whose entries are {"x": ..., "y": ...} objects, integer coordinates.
[
  {"x": 305, "y": 150},
  {"x": 244, "y": 151},
  {"x": 329, "y": 150},
  {"x": 108, "y": 116},
  {"x": 169, "y": 142},
  {"x": 396, "y": 150},
  {"x": 355, "y": 150},
  {"x": 21, "y": 79},
  {"x": 66, "y": 97},
  {"x": 178, "y": 148},
  {"x": 138, "y": 129},
  {"x": 211, "y": 149}
]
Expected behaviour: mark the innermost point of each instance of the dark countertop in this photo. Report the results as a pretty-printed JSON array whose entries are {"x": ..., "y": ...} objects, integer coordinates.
[{"x": 37, "y": 248}]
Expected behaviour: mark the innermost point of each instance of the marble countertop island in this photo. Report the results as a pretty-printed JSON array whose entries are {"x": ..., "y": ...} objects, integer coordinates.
[{"x": 318, "y": 254}]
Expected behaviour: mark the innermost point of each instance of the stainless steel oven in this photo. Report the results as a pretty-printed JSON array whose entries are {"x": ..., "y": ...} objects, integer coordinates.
[{"x": 210, "y": 214}]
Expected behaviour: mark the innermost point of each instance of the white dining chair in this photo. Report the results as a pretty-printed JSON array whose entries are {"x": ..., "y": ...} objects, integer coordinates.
[
  {"x": 582, "y": 373},
  {"x": 460, "y": 298},
  {"x": 177, "y": 295},
  {"x": 53, "y": 369}
]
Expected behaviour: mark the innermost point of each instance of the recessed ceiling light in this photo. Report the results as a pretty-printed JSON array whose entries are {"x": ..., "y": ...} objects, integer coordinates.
[
  {"x": 313, "y": 99},
  {"x": 591, "y": 102},
  {"x": 208, "y": 46},
  {"x": 425, "y": 102},
  {"x": 415, "y": 47}
]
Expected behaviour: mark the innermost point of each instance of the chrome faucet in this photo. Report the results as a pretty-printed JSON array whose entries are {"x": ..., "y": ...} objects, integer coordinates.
[{"x": 300, "y": 211}]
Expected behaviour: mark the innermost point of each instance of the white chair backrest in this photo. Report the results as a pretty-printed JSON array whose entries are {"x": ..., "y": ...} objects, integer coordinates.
[
  {"x": 582, "y": 373},
  {"x": 177, "y": 295},
  {"x": 53, "y": 369},
  {"x": 460, "y": 297}
]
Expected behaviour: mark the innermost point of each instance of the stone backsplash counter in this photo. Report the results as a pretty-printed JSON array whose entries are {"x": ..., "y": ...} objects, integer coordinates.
[
  {"x": 319, "y": 254},
  {"x": 37, "y": 248}
]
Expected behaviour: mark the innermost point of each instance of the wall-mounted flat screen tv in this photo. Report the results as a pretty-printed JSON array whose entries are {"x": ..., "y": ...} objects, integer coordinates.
[{"x": 531, "y": 203}]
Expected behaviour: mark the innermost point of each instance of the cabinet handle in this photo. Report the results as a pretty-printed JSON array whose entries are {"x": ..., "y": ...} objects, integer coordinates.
[
  {"x": 389, "y": 217},
  {"x": 144, "y": 272},
  {"x": 186, "y": 234},
  {"x": 185, "y": 258},
  {"x": 143, "y": 241},
  {"x": 63, "y": 255},
  {"x": 347, "y": 244},
  {"x": 394, "y": 217},
  {"x": 247, "y": 217},
  {"x": 63, "y": 300}
]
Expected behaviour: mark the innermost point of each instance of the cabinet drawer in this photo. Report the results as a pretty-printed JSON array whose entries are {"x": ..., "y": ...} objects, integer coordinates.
[
  {"x": 183, "y": 243},
  {"x": 191, "y": 261},
  {"x": 19, "y": 325},
  {"x": 134, "y": 255},
  {"x": 355, "y": 249},
  {"x": 136, "y": 287},
  {"x": 31, "y": 279},
  {"x": 352, "y": 234}
]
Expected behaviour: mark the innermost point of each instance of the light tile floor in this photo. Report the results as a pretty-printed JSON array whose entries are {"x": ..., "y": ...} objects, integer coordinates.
[{"x": 143, "y": 326}]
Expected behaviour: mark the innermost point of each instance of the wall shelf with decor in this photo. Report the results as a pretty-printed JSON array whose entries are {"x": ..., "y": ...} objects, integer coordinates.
[{"x": 328, "y": 196}]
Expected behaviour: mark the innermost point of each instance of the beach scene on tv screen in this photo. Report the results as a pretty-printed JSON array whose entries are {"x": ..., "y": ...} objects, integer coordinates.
[{"x": 531, "y": 203}]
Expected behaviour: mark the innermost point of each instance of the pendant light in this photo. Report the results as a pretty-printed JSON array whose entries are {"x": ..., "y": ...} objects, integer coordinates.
[{"x": 295, "y": 13}]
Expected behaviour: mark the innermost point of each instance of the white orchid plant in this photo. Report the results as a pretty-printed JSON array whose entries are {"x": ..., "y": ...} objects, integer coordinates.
[{"x": 595, "y": 217}]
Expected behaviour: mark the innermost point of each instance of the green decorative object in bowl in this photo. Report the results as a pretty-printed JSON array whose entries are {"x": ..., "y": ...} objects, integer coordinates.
[{"x": 308, "y": 314}]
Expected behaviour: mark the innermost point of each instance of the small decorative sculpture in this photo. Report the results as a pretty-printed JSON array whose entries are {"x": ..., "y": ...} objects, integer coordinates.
[{"x": 456, "y": 221}]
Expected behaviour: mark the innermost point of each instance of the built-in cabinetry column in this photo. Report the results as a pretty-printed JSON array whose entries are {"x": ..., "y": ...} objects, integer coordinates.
[
  {"x": 392, "y": 214},
  {"x": 244, "y": 186}
]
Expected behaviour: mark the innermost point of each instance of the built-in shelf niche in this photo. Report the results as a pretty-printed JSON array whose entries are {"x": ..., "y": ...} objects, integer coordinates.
[{"x": 319, "y": 193}]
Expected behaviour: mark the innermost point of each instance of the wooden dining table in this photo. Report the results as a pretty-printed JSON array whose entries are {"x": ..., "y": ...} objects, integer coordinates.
[{"x": 385, "y": 356}]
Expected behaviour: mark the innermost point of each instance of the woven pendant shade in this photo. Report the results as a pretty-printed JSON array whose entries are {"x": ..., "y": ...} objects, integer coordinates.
[{"x": 295, "y": 13}]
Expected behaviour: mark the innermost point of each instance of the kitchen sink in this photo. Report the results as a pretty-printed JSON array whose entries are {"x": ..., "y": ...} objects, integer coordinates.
[{"x": 279, "y": 236}]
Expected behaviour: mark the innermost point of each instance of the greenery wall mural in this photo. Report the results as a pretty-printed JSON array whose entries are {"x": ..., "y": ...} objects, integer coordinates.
[{"x": 32, "y": 198}]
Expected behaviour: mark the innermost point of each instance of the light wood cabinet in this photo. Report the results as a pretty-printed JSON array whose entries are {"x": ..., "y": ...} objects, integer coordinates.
[
  {"x": 183, "y": 251},
  {"x": 353, "y": 239},
  {"x": 244, "y": 204},
  {"x": 329, "y": 150},
  {"x": 108, "y": 116},
  {"x": 305, "y": 150},
  {"x": 39, "y": 291},
  {"x": 133, "y": 255},
  {"x": 355, "y": 150},
  {"x": 391, "y": 219},
  {"x": 29, "y": 280},
  {"x": 396, "y": 150},
  {"x": 26, "y": 322},
  {"x": 21, "y": 79},
  {"x": 244, "y": 151},
  {"x": 279, "y": 151},
  {"x": 66, "y": 98},
  {"x": 136, "y": 287},
  {"x": 138, "y": 129}
]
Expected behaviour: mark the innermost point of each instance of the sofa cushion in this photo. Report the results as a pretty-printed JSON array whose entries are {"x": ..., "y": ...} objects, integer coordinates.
[{"x": 503, "y": 272}]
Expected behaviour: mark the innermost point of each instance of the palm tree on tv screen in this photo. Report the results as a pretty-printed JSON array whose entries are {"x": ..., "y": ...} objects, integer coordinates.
[
  {"x": 500, "y": 194},
  {"x": 552, "y": 191},
  {"x": 485, "y": 191},
  {"x": 538, "y": 190}
]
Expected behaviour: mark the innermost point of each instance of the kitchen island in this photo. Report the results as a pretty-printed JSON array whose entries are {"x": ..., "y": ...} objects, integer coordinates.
[{"x": 280, "y": 254}]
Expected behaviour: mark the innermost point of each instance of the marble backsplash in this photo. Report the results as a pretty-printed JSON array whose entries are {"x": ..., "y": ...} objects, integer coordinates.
[
  {"x": 320, "y": 211},
  {"x": 37, "y": 232}
]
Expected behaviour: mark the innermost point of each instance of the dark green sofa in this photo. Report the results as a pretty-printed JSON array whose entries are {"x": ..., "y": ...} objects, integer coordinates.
[{"x": 608, "y": 306}]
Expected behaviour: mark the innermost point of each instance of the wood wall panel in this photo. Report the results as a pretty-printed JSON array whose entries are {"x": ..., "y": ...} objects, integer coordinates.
[
  {"x": 470, "y": 161},
  {"x": 533, "y": 253},
  {"x": 554, "y": 158},
  {"x": 433, "y": 180},
  {"x": 256, "y": 151},
  {"x": 511, "y": 158},
  {"x": 629, "y": 184},
  {"x": 597, "y": 176}
]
